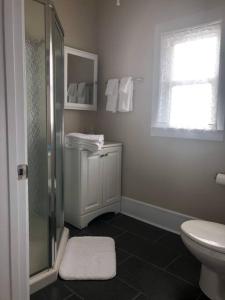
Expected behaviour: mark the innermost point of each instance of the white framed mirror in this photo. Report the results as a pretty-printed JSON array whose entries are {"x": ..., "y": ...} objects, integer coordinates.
[{"x": 80, "y": 72}]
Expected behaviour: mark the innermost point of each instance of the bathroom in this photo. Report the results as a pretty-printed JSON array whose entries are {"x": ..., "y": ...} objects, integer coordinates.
[{"x": 163, "y": 177}]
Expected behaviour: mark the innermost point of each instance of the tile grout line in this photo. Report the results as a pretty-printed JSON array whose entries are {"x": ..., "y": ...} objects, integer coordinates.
[
  {"x": 142, "y": 292},
  {"x": 67, "y": 287},
  {"x": 128, "y": 284},
  {"x": 135, "y": 297},
  {"x": 163, "y": 270},
  {"x": 125, "y": 251},
  {"x": 121, "y": 234},
  {"x": 198, "y": 297},
  {"x": 141, "y": 237},
  {"x": 73, "y": 294},
  {"x": 125, "y": 259},
  {"x": 173, "y": 261},
  {"x": 72, "y": 291},
  {"x": 160, "y": 238}
]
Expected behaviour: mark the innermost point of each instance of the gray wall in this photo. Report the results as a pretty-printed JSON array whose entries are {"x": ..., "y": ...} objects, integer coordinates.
[
  {"x": 78, "y": 18},
  {"x": 172, "y": 173},
  {"x": 176, "y": 174}
]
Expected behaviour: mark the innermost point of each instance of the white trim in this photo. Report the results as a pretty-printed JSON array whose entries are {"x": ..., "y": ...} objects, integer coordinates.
[
  {"x": 47, "y": 277},
  {"x": 154, "y": 215},
  {"x": 88, "y": 55},
  {"x": 17, "y": 147},
  {"x": 207, "y": 135}
]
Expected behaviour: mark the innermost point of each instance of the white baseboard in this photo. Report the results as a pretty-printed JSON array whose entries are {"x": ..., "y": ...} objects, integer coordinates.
[{"x": 154, "y": 215}]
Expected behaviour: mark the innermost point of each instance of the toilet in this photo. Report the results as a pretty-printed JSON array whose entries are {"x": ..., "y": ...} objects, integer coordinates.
[{"x": 206, "y": 241}]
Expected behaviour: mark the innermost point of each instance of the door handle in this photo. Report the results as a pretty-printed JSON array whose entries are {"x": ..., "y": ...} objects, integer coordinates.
[{"x": 22, "y": 171}]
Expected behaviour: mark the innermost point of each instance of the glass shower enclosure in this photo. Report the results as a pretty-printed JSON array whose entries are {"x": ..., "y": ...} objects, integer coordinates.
[{"x": 44, "y": 85}]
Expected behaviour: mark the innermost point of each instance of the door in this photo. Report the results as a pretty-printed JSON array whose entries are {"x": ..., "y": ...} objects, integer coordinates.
[
  {"x": 58, "y": 56},
  {"x": 44, "y": 86},
  {"x": 91, "y": 187},
  {"x": 37, "y": 136},
  {"x": 111, "y": 177}
]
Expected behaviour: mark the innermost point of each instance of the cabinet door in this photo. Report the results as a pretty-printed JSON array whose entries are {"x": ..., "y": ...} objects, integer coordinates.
[
  {"x": 111, "y": 177},
  {"x": 91, "y": 193}
]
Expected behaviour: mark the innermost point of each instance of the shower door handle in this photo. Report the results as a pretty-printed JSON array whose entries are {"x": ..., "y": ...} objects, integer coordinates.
[{"x": 22, "y": 171}]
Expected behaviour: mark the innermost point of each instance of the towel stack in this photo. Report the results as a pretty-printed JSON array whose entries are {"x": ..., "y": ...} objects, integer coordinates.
[
  {"x": 91, "y": 142},
  {"x": 120, "y": 95}
]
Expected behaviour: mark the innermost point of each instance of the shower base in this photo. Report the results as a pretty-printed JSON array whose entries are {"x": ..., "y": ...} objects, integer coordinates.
[{"x": 47, "y": 277}]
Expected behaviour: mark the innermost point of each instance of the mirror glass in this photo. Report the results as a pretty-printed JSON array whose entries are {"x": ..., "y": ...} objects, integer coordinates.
[
  {"x": 81, "y": 80},
  {"x": 80, "y": 84}
]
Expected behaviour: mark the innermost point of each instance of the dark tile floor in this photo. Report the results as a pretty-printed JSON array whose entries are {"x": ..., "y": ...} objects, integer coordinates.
[{"x": 152, "y": 264}]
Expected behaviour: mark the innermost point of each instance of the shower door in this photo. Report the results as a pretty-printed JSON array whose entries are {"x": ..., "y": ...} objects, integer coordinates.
[
  {"x": 44, "y": 83},
  {"x": 58, "y": 63}
]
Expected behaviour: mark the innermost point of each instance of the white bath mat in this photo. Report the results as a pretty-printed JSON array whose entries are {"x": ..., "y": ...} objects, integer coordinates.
[{"x": 89, "y": 258}]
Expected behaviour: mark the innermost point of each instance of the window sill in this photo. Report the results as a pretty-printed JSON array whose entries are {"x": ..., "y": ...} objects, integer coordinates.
[{"x": 210, "y": 135}]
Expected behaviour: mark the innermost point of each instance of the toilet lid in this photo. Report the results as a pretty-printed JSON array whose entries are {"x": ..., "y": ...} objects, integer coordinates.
[{"x": 208, "y": 234}]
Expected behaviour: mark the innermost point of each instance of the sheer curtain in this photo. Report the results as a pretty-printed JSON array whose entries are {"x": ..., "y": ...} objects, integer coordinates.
[{"x": 189, "y": 78}]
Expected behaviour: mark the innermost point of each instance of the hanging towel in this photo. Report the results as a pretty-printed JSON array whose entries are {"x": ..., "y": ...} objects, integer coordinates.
[
  {"x": 81, "y": 92},
  {"x": 72, "y": 93},
  {"x": 126, "y": 94},
  {"x": 112, "y": 95}
]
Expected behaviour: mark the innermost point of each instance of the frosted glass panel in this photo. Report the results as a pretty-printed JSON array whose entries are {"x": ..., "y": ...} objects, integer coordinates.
[{"x": 37, "y": 136}]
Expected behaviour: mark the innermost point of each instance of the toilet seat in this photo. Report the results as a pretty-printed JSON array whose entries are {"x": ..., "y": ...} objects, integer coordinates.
[{"x": 209, "y": 234}]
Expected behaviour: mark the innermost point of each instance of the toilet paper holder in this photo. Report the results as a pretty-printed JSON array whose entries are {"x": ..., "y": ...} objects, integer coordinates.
[
  {"x": 220, "y": 178},
  {"x": 218, "y": 174}
]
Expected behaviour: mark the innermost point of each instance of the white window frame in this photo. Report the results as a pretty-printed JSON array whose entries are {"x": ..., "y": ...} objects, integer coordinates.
[{"x": 163, "y": 130}]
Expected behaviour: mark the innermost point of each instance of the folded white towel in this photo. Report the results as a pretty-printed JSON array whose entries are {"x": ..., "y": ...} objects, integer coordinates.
[
  {"x": 90, "y": 138},
  {"x": 112, "y": 95},
  {"x": 81, "y": 92},
  {"x": 126, "y": 94},
  {"x": 91, "y": 142},
  {"x": 93, "y": 147},
  {"x": 72, "y": 93}
]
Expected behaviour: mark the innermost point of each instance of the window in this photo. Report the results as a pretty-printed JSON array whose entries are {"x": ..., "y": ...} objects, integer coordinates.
[{"x": 187, "y": 96}]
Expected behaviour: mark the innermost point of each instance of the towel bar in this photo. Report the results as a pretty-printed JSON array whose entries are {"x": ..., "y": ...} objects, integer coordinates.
[{"x": 133, "y": 78}]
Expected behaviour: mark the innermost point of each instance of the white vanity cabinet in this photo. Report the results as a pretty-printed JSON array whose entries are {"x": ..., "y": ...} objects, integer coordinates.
[{"x": 92, "y": 183}]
